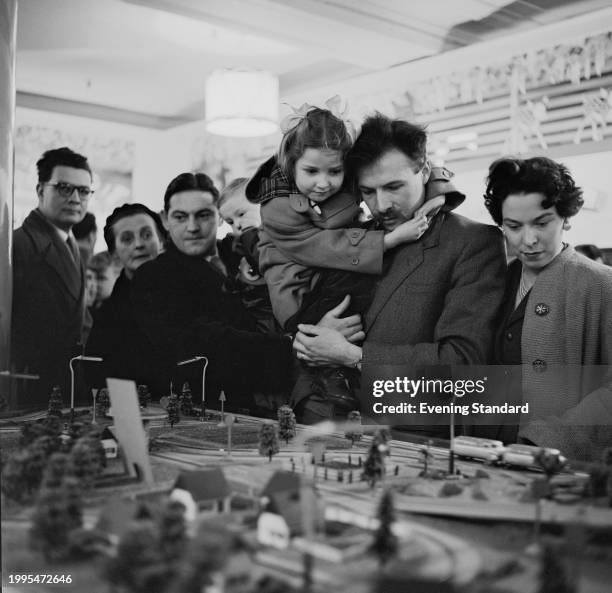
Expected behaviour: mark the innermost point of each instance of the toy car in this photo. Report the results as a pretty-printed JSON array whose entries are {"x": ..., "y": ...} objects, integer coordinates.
[{"x": 478, "y": 448}]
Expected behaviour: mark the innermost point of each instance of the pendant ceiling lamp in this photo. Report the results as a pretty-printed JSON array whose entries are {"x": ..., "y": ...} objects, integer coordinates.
[{"x": 241, "y": 103}]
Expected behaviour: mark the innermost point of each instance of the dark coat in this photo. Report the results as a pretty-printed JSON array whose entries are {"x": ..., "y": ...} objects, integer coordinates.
[
  {"x": 297, "y": 240},
  {"x": 438, "y": 299},
  {"x": 180, "y": 305},
  {"x": 116, "y": 337},
  {"x": 48, "y": 309}
]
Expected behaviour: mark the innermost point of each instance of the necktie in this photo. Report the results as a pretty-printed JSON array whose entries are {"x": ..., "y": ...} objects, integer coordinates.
[{"x": 74, "y": 250}]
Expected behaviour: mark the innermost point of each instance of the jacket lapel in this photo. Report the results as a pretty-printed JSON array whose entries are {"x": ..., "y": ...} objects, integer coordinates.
[
  {"x": 405, "y": 261},
  {"x": 55, "y": 253}
]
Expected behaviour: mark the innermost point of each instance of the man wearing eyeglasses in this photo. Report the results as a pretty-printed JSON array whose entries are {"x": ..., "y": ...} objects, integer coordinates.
[{"x": 48, "y": 277}]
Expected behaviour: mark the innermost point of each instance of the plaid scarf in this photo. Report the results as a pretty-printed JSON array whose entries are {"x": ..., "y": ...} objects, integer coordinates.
[{"x": 270, "y": 182}]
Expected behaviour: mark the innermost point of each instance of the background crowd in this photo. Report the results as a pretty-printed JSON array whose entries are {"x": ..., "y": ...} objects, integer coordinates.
[{"x": 306, "y": 290}]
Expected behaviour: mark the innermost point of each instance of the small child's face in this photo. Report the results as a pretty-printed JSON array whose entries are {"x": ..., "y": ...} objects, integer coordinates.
[
  {"x": 106, "y": 281},
  {"x": 239, "y": 213},
  {"x": 91, "y": 288},
  {"x": 319, "y": 173}
]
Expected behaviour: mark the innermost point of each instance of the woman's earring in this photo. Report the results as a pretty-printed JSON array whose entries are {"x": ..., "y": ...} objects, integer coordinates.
[{"x": 566, "y": 225}]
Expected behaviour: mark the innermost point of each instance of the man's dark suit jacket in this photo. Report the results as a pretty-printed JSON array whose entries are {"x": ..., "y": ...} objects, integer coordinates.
[
  {"x": 436, "y": 305},
  {"x": 48, "y": 308},
  {"x": 437, "y": 301},
  {"x": 181, "y": 307}
]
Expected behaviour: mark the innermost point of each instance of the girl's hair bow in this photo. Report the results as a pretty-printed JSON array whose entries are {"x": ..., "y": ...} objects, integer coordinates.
[{"x": 333, "y": 105}]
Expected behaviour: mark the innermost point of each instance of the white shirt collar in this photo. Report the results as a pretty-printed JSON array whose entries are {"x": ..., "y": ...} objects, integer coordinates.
[{"x": 63, "y": 235}]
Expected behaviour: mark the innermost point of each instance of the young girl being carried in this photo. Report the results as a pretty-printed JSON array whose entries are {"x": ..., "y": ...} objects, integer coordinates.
[{"x": 313, "y": 248}]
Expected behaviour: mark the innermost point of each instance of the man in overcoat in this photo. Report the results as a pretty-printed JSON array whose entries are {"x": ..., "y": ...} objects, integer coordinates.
[{"x": 48, "y": 278}]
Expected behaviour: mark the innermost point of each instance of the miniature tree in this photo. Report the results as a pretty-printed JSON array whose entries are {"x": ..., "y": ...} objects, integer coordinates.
[
  {"x": 382, "y": 437},
  {"x": 354, "y": 432},
  {"x": 172, "y": 533},
  {"x": 138, "y": 566},
  {"x": 426, "y": 456},
  {"x": 206, "y": 554},
  {"x": 14, "y": 482},
  {"x": 551, "y": 463},
  {"x": 86, "y": 460},
  {"x": 374, "y": 466},
  {"x": 144, "y": 396},
  {"x": 186, "y": 400},
  {"x": 57, "y": 513},
  {"x": 49, "y": 426},
  {"x": 102, "y": 402},
  {"x": 37, "y": 454},
  {"x": 57, "y": 467},
  {"x": 268, "y": 440},
  {"x": 23, "y": 471},
  {"x": 56, "y": 403},
  {"x": 173, "y": 410},
  {"x": 385, "y": 544},
  {"x": 286, "y": 423},
  {"x": 553, "y": 577}
]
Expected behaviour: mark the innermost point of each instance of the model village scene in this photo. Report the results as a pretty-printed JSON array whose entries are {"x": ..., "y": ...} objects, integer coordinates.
[{"x": 204, "y": 500}]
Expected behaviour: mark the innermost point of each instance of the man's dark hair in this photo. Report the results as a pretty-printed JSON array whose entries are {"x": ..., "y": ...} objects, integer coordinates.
[
  {"x": 190, "y": 181},
  {"x": 130, "y": 210},
  {"x": 60, "y": 157},
  {"x": 85, "y": 227},
  {"x": 380, "y": 134}
]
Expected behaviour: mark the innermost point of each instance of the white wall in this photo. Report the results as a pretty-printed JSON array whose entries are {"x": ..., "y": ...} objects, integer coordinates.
[
  {"x": 159, "y": 155},
  {"x": 592, "y": 172}
]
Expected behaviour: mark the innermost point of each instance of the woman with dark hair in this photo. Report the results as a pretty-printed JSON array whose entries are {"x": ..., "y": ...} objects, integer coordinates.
[
  {"x": 557, "y": 317},
  {"x": 134, "y": 235}
]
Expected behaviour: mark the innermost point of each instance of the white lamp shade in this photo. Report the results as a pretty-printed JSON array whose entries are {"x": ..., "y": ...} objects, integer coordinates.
[{"x": 241, "y": 103}]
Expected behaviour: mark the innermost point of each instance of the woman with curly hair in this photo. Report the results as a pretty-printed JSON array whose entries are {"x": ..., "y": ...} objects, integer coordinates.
[{"x": 557, "y": 316}]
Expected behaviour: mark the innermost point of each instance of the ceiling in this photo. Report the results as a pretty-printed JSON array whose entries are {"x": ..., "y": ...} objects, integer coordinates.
[{"x": 145, "y": 62}]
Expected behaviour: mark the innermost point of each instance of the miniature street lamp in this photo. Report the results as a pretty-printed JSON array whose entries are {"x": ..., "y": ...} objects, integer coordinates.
[
  {"x": 84, "y": 359},
  {"x": 195, "y": 359},
  {"x": 222, "y": 399}
]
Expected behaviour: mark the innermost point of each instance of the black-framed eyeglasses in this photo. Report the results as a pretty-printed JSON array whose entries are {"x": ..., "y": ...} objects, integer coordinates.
[{"x": 67, "y": 189}]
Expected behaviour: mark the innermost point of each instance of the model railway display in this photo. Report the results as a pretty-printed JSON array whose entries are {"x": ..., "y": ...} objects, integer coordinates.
[{"x": 344, "y": 495}]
